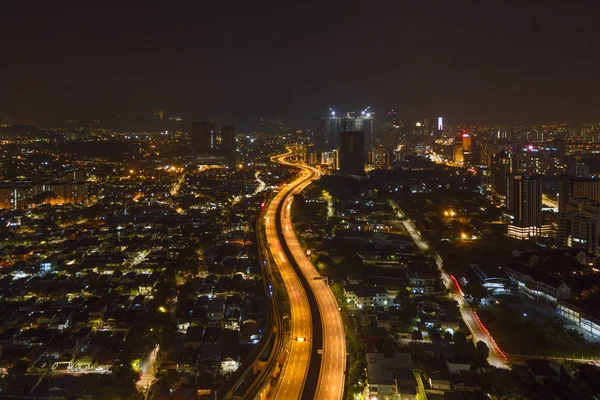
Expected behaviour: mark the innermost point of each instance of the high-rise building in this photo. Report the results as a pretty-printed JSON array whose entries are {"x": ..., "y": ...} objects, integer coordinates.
[
  {"x": 328, "y": 131},
  {"x": 524, "y": 202},
  {"x": 228, "y": 138},
  {"x": 20, "y": 196},
  {"x": 228, "y": 144},
  {"x": 581, "y": 228},
  {"x": 203, "y": 136},
  {"x": 571, "y": 189},
  {"x": 457, "y": 150},
  {"x": 379, "y": 157},
  {"x": 561, "y": 151},
  {"x": 364, "y": 122},
  {"x": 392, "y": 118},
  {"x": 467, "y": 141},
  {"x": 487, "y": 152},
  {"x": 502, "y": 168},
  {"x": 352, "y": 153},
  {"x": 330, "y": 127}
]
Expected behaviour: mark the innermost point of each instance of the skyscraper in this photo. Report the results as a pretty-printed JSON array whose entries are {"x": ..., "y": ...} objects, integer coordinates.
[
  {"x": 581, "y": 228},
  {"x": 502, "y": 168},
  {"x": 228, "y": 144},
  {"x": 328, "y": 131},
  {"x": 561, "y": 150},
  {"x": 392, "y": 118},
  {"x": 467, "y": 141},
  {"x": 457, "y": 150},
  {"x": 228, "y": 138},
  {"x": 524, "y": 202},
  {"x": 203, "y": 136},
  {"x": 352, "y": 153},
  {"x": 329, "y": 128},
  {"x": 487, "y": 152},
  {"x": 380, "y": 157},
  {"x": 363, "y": 122},
  {"x": 577, "y": 188}
]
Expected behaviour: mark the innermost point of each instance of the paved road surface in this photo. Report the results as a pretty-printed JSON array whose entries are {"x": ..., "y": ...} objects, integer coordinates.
[
  {"x": 330, "y": 384},
  {"x": 293, "y": 376}
]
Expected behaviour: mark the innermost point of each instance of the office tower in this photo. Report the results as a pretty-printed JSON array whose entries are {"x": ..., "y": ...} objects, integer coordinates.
[
  {"x": 457, "y": 150},
  {"x": 328, "y": 131},
  {"x": 524, "y": 200},
  {"x": 228, "y": 138},
  {"x": 577, "y": 189},
  {"x": 581, "y": 228},
  {"x": 561, "y": 151},
  {"x": 330, "y": 127},
  {"x": 352, "y": 153},
  {"x": 467, "y": 141},
  {"x": 364, "y": 122},
  {"x": 487, "y": 152},
  {"x": 379, "y": 157},
  {"x": 392, "y": 118},
  {"x": 502, "y": 168},
  {"x": 228, "y": 145},
  {"x": 440, "y": 124},
  {"x": 203, "y": 136},
  {"x": 158, "y": 114},
  {"x": 529, "y": 160},
  {"x": 520, "y": 190}
]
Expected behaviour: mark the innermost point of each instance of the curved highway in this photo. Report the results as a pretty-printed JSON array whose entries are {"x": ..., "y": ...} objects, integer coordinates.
[
  {"x": 291, "y": 260},
  {"x": 293, "y": 375}
]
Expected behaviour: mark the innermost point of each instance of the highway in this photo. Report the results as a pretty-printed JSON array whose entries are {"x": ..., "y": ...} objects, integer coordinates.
[
  {"x": 496, "y": 358},
  {"x": 297, "y": 380},
  {"x": 293, "y": 376}
]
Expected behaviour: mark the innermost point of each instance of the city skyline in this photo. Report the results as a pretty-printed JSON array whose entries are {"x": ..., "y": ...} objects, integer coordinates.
[{"x": 339, "y": 200}]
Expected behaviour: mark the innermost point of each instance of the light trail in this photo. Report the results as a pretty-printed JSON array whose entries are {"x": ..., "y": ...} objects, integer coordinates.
[{"x": 496, "y": 357}]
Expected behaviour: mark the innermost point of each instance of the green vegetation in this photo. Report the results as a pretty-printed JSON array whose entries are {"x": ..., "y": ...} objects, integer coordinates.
[
  {"x": 534, "y": 333},
  {"x": 355, "y": 361},
  {"x": 517, "y": 383}
]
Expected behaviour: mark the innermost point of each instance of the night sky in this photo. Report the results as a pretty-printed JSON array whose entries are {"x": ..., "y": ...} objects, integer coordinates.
[{"x": 484, "y": 61}]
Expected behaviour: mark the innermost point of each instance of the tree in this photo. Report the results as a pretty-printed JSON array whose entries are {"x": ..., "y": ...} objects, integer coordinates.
[
  {"x": 447, "y": 337},
  {"x": 476, "y": 291},
  {"x": 403, "y": 297},
  {"x": 482, "y": 350},
  {"x": 460, "y": 340},
  {"x": 338, "y": 292},
  {"x": 16, "y": 374},
  {"x": 417, "y": 335},
  {"x": 126, "y": 377}
]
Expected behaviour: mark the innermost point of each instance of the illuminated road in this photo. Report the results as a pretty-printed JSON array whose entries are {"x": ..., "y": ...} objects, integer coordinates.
[
  {"x": 293, "y": 376},
  {"x": 497, "y": 358},
  {"x": 330, "y": 379}
]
